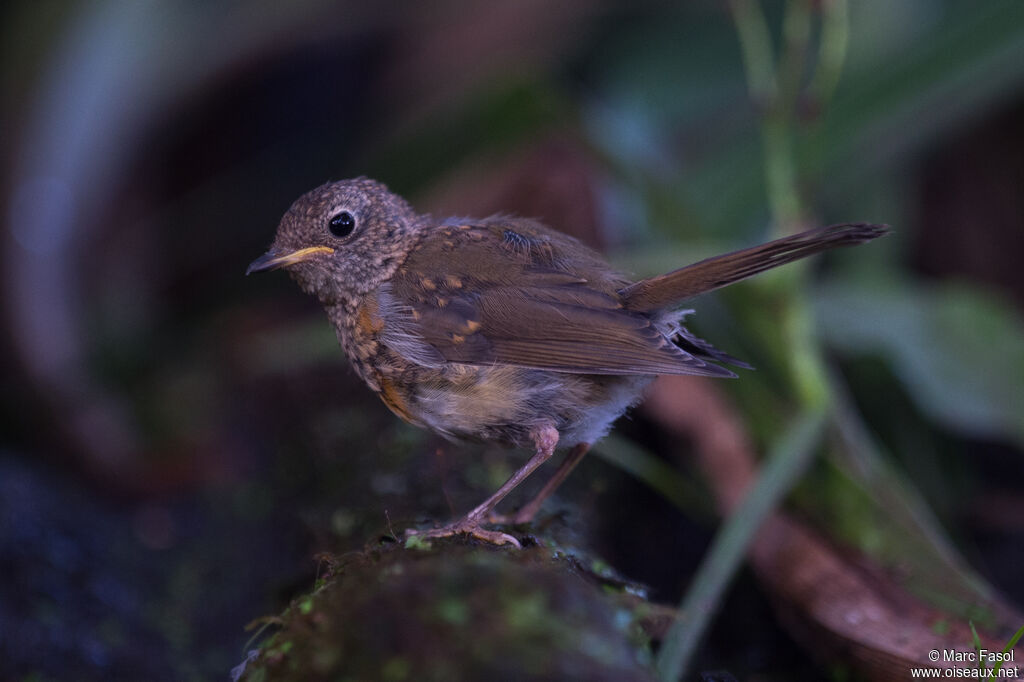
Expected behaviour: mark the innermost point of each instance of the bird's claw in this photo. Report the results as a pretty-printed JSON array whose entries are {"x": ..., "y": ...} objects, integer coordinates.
[{"x": 470, "y": 527}]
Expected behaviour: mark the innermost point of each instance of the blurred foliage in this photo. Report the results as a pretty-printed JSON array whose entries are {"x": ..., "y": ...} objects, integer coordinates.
[{"x": 957, "y": 350}]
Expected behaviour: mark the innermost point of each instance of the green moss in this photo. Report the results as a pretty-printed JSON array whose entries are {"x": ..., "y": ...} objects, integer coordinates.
[
  {"x": 525, "y": 611},
  {"x": 395, "y": 669},
  {"x": 417, "y": 542},
  {"x": 456, "y": 610}
]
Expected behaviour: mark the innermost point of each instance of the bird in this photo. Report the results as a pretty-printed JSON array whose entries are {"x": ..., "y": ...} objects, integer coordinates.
[{"x": 502, "y": 329}]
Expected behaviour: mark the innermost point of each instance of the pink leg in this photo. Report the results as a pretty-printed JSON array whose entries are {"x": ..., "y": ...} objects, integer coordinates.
[
  {"x": 545, "y": 439},
  {"x": 530, "y": 509}
]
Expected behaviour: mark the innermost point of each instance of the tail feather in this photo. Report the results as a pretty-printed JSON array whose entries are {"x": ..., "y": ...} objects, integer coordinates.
[{"x": 665, "y": 290}]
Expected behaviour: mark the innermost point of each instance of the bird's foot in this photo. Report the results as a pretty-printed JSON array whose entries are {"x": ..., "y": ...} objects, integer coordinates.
[{"x": 471, "y": 526}]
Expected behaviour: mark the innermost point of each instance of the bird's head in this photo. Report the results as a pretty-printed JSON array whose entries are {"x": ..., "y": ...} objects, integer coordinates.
[{"x": 341, "y": 240}]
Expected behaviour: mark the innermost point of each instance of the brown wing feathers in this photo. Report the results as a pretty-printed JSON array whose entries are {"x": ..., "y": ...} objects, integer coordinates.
[
  {"x": 538, "y": 331},
  {"x": 531, "y": 307}
]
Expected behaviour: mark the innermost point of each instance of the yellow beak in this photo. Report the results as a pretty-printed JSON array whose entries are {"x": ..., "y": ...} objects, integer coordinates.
[{"x": 272, "y": 260}]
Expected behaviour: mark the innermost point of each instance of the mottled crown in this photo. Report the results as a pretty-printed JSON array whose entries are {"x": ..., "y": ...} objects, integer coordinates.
[{"x": 353, "y": 234}]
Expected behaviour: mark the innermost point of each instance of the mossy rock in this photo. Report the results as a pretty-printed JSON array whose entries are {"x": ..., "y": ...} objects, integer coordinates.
[{"x": 449, "y": 610}]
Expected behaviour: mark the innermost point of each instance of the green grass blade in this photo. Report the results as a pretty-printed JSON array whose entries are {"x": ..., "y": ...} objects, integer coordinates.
[
  {"x": 977, "y": 643},
  {"x": 783, "y": 467},
  {"x": 1006, "y": 649}
]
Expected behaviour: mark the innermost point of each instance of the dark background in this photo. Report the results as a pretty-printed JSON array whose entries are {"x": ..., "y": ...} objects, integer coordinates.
[{"x": 177, "y": 441}]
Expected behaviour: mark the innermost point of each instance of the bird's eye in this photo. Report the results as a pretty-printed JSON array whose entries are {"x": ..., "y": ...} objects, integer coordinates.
[{"x": 342, "y": 224}]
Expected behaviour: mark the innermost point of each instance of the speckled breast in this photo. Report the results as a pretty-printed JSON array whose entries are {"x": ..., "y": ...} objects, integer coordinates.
[{"x": 360, "y": 327}]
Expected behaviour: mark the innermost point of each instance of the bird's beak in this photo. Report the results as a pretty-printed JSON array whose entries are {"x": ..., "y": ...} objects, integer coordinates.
[{"x": 272, "y": 259}]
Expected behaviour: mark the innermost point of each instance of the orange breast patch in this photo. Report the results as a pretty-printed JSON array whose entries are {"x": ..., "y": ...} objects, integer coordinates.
[
  {"x": 393, "y": 398},
  {"x": 368, "y": 321}
]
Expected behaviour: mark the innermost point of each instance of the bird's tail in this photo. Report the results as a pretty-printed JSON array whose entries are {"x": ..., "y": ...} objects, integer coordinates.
[{"x": 665, "y": 290}]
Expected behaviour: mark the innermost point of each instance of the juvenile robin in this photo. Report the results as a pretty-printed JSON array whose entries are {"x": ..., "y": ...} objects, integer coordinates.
[{"x": 503, "y": 329}]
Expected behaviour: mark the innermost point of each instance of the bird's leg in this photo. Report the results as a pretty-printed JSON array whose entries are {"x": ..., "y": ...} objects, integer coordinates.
[
  {"x": 530, "y": 509},
  {"x": 545, "y": 439}
]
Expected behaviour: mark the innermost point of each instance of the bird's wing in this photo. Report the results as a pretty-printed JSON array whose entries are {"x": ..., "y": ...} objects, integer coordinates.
[{"x": 527, "y": 303}]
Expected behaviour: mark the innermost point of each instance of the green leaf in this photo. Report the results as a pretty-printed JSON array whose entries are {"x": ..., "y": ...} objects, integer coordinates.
[{"x": 958, "y": 351}]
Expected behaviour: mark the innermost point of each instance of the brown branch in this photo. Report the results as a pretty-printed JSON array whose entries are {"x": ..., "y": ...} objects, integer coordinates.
[{"x": 836, "y": 602}]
